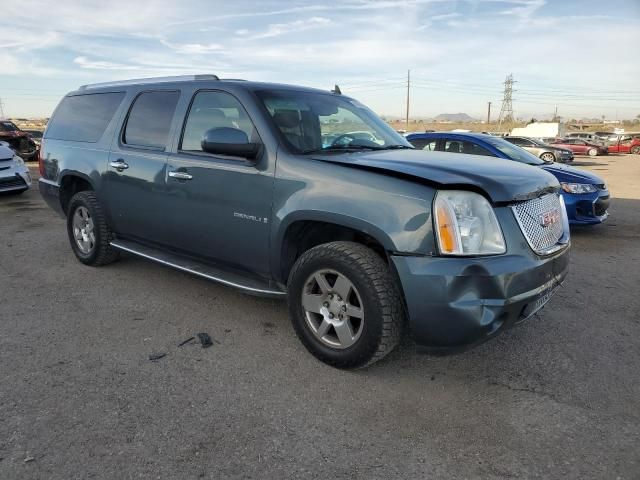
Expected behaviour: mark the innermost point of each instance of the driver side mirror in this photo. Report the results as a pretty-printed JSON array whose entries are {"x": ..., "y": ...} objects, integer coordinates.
[{"x": 229, "y": 141}]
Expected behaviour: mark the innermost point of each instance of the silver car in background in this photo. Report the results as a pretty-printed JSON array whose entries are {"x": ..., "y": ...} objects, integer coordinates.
[
  {"x": 545, "y": 152},
  {"x": 14, "y": 174}
]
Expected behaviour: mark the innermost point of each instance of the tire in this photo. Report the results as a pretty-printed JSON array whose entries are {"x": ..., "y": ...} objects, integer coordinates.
[
  {"x": 374, "y": 328},
  {"x": 592, "y": 152},
  {"x": 548, "y": 157},
  {"x": 635, "y": 150},
  {"x": 96, "y": 234}
]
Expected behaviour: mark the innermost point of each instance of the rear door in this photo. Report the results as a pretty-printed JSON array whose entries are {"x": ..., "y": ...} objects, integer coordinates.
[
  {"x": 135, "y": 182},
  {"x": 220, "y": 205}
]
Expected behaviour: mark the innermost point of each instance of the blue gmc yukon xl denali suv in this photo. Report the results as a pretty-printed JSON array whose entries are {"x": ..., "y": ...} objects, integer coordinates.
[{"x": 307, "y": 195}]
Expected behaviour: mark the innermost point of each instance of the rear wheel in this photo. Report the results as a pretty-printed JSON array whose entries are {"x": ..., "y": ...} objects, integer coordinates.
[
  {"x": 548, "y": 157},
  {"x": 592, "y": 152},
  {"x": 89, "y": 234},
  {"x": 345, "y": 305}
]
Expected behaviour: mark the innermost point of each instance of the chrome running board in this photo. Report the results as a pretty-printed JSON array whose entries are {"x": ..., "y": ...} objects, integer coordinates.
[{"x": 231, "y": 279}]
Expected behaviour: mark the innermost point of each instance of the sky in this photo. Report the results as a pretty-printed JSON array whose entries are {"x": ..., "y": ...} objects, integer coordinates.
[{"x": 580, "y": 55}]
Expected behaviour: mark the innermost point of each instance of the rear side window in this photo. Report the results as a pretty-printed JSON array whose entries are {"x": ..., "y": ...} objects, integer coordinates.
[
  {"x": 150, "y": 118},
  {"x": 83, "y": 118}
]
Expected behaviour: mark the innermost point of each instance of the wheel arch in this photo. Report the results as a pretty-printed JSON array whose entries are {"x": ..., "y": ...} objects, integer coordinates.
[
  {"x": 72, "y": 182},
  {"x": 305, "y": 230}
]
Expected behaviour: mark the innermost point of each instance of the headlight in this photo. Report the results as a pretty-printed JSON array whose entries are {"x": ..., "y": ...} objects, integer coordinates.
[
  {"x": 578, "y": 187},
  {"x": 17, "y": 160},
  {"x": 466, "y": 224}
]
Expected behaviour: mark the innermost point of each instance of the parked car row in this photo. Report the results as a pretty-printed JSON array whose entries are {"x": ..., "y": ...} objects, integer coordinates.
[{"x": 585, "y": 194}]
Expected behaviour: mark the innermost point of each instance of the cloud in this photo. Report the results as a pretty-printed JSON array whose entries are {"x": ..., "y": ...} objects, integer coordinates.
[
  {"x": 277, "y": 29},
  {"x": 192, "y": 48},
  {"x": 84, "y": 62}
]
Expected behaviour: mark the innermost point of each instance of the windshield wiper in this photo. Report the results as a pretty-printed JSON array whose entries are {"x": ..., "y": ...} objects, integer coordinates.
[
  {"x": 398, "y": 147},
  {"x": 354, "y": 148},
  {"x": 342, "y": 148}
]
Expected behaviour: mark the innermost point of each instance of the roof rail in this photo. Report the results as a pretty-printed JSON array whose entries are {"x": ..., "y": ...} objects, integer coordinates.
[{"x": 134, "y": 81}]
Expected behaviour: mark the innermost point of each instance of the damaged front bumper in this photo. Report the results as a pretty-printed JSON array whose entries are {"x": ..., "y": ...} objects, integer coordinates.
[{"x": 458, "y": 302}]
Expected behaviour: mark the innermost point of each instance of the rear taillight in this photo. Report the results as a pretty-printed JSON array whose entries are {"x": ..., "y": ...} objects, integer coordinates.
[{"x": 41, "y": 159}]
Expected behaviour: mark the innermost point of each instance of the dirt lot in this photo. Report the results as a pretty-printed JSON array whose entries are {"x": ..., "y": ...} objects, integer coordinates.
[{"x": 557, "y": 397}]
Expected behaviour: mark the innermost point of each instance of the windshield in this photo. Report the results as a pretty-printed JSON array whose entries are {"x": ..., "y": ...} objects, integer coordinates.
[
  {"x": 514, "y": 152},
  {"x": 8, "y": 127},
  {"x": 317, "y": 122}
]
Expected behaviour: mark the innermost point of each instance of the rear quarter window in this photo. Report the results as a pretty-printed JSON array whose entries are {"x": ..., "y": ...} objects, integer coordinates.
[{"x": 83, "y": 118}]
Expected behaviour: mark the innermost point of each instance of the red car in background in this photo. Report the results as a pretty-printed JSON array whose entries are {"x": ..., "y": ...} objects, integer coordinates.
[
  {"x": 626, "y": 144},
  {"x": 19, "y": 141},
  {"x": 581, "y": 147}
]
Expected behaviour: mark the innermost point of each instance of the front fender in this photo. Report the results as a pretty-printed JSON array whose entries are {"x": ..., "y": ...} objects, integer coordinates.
[{"x": 396, "y": 212}]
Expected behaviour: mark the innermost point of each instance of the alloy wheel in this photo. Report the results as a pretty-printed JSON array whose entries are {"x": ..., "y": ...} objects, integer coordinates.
[
  {"x": 83, "y": 230},
  {"x": 333, "y": 309}
]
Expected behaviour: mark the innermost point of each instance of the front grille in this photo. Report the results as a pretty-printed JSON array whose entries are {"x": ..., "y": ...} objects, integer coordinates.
[
  {"x": 541, "y": 221},
  {"x": 11, "y": 182}
]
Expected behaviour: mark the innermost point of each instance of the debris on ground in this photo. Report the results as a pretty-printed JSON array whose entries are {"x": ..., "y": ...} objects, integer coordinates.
[
  {"x": 157, "y": 356},
  {"x": 29, "y": 459},
  {"x": 186, "y": 341},
  {"x": 205, "y": 340}
]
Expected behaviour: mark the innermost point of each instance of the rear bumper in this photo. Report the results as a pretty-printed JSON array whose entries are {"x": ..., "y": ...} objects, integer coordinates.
[
  {"x": 50, "y": 192},
  {"x": 459, "y": 302}
]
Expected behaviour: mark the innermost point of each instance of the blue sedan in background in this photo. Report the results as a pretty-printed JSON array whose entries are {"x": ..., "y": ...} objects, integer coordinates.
[{"x": 585, "y": 194}]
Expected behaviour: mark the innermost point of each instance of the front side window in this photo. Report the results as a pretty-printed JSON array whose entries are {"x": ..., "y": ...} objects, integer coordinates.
[
  {"x": 466, "y": 147},
  {"x": 211, "y": 110},
  {"x": 150, "y": 118},
  {"x": 317, "y": 122},
  {"x": 425, "y": 144}
]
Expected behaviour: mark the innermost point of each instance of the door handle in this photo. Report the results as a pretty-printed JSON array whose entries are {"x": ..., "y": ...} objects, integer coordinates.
[
  {"x": 119, "y": 165},
  {"x": 180, "y": 175}
]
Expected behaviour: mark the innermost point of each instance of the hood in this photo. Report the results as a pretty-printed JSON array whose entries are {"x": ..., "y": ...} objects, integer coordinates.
[
  {"x": 565, "y": 173},
  {"x": 5, "y": 152},
  {"x": 502, "y": 180}
]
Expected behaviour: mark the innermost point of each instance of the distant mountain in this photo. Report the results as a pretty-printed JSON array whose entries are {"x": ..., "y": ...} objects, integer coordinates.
[{"x": 454, "y": 117}]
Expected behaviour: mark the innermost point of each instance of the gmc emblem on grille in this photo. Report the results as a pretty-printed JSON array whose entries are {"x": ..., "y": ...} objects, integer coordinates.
[{"x": 549, "y": 218}]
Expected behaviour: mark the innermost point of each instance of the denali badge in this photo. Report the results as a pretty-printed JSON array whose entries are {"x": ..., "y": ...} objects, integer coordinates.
[{"x": 549, "y": 218}]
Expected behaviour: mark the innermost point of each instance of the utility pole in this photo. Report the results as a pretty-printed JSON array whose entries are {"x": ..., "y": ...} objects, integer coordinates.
[
  {"x": 488, "y": 113},
  {"x": 506, "y": 112},
  {"x": 1, "y": 109},
  {"x": 408, "y": 88}
]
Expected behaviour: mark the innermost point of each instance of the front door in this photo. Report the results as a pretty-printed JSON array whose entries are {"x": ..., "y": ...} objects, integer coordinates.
[
  {"x": 135, "y": 182},
  {"x": 220, "y": 205}
]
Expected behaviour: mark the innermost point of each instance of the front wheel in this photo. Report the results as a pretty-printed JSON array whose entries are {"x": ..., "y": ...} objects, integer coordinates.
[
  {"x": 592, "y": 152},
  {"x": 636, "y": 150},
  {"x": 89, "y": 234},
  {"x": 345, "y": 305},
  {"x": 548, "y": 157}
]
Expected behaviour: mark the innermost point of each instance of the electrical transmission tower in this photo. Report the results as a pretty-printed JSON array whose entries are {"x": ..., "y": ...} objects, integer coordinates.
[{"x": 506, "y": 112}]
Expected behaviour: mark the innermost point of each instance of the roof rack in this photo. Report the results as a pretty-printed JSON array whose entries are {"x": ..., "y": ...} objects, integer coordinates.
[{"x": 176, "y": 78}]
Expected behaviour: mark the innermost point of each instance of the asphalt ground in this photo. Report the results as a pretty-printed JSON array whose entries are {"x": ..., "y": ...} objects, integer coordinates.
[{"x": 557, "y": 397}]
